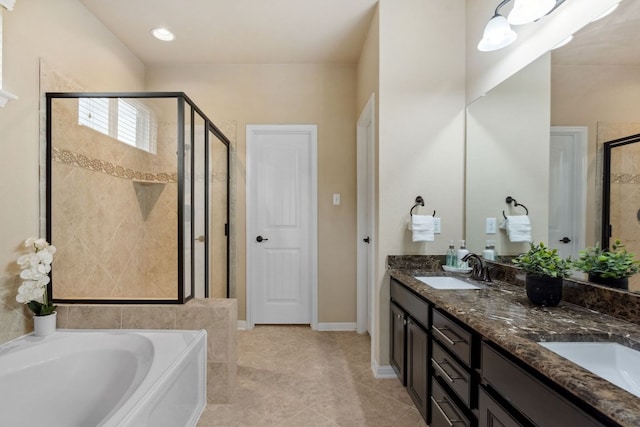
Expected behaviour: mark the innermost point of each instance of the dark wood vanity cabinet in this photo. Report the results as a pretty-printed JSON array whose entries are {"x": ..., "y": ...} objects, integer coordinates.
[
  {"x": 398, "y": 353},
  {"x": 526, "y": 397},
  {"x": 409, "y": 344},
  {"x": 454, "y": 358},
  {"x": 418, "y": 365}
]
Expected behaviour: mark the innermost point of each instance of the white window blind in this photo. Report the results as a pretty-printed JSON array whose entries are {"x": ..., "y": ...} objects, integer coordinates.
[{"x": 126, "y": 120}]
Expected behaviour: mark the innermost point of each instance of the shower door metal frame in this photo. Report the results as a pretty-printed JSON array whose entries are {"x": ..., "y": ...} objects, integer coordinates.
[
  {"x": 181, "y": 99},
  {"x": 606, "y": 184}
]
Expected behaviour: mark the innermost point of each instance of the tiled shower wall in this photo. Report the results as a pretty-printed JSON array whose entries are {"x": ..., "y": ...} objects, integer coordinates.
[
  {"x": 114, "y": 213},
  {"x": 624, "y": 189}
]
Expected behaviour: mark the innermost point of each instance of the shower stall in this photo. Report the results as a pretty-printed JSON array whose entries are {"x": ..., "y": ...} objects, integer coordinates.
[{"x": 137, "y": 198}]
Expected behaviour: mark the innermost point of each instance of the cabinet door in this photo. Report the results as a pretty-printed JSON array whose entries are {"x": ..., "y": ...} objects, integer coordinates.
[
  {"x": 417, "y": 366},
  {"x": 398, "y": 342},
  {"x": 492, "y": 414}
]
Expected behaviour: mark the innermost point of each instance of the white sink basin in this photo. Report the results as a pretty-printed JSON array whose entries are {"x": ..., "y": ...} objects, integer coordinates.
[
  {"x": 612, "y": 361},
  {"x": 445, "y": 282}
]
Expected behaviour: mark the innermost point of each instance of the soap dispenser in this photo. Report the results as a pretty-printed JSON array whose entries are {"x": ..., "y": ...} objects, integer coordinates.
[
  {"x": 462, "y": 252},
  {"x": 489, "y": 252},
  {"x": 452, "y": 256}
]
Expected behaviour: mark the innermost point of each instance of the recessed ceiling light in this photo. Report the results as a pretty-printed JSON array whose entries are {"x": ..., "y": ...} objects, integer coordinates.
[{"x": 163, "y": 34}]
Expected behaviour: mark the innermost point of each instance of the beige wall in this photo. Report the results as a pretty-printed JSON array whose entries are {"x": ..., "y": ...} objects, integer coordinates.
[
  {"x": 65, "y": 34},
  {"x": 508, "y": 155},
  {"x": 421, "y": 137},
  {"x": 585, "y": 95},
  {"x": 368, "y": 77},
  {"x": 280, "y": 93}
]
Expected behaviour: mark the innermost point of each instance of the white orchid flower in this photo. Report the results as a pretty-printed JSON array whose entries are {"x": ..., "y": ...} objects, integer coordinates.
[
  {"x": 41, "y": 243},
  {"x": 30, "y": 242}
]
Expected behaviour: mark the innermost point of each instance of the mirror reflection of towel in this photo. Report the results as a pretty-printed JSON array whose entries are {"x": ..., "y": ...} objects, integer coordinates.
[
  {"x": 519, "y": 228},
  {"x": 422, "y": 228}
]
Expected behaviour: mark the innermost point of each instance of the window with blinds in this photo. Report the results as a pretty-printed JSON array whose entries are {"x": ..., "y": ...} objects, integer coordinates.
[{"x": 126, "y": 120}]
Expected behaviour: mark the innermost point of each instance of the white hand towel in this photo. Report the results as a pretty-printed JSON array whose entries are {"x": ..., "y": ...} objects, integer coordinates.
[
  {"x": 422, "y": 228},
  {"x": 519, "y": 228}
]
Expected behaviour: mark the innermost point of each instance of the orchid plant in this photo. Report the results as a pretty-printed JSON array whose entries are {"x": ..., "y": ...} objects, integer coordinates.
[{"x": 36, "y": 267}]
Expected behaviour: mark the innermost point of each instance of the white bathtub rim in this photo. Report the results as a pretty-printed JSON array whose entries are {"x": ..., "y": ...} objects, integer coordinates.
[{"x": 160, "y": 369}]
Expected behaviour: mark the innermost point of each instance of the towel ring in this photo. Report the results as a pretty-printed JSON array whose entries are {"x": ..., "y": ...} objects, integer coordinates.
[
  {"x": 419, "y": 202},
  {"x": 510, "y": 200}
]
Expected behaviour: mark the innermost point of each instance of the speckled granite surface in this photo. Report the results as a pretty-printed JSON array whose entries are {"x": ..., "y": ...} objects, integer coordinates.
[{"x": 502, "y": 313}]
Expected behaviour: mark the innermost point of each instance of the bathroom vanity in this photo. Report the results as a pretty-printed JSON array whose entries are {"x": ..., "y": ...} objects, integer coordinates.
[{"x": 472, "y": 357}]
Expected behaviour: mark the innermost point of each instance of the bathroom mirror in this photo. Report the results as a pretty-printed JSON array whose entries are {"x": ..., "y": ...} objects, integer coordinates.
[{"x": 593, "y": 86}]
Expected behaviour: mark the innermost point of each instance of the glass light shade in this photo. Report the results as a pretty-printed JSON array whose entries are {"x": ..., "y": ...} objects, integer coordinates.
[
  {"x": 606, "y": 12},
  {"x": 527, "y": 11},
  {"x": 497, "y": 34}
]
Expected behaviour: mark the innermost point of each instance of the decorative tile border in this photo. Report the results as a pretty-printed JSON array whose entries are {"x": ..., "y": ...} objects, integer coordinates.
[
  {"x": 67, "y": 157},
  {"x": 625, "y": 178}
]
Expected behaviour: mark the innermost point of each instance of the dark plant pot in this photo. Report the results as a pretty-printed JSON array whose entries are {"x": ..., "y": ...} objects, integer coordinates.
[
  {"x": 544, "y": 290},
  {"x": 622, "y": 283}
]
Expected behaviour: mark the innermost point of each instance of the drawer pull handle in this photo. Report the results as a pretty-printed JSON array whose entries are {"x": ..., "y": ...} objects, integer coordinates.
[
  {"x": 444, "y": 414},
  {"x": 444, "y": 373},
  {"x": 444, "y": 337}
]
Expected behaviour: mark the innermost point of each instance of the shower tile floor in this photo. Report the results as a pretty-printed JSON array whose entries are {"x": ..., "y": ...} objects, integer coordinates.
[{"x": 293, "y": 376}]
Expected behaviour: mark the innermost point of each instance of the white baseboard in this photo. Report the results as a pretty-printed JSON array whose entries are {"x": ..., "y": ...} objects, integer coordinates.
[
  {"x": 242, "y": 325},
  {"x": 346, "y": 326},
  {"x": 385, "y": 371}
]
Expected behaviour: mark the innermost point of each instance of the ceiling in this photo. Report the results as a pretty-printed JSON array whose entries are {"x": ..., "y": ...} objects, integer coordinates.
[
  {"x": 613, "y": 40},
  {"x": 239, "y": 31}
]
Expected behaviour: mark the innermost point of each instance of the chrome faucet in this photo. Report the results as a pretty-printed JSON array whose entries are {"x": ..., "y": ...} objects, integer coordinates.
[{"x": 479, "y": 270}]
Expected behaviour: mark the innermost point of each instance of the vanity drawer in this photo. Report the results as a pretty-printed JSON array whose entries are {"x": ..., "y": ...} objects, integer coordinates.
[
  {"x": 531, "y": 397},
  {"x": 411, "y": 303},
  {"x": 451, "y": 373},
  {"x": 444, "y": 411},
  {"x": 452, "y": 336}
]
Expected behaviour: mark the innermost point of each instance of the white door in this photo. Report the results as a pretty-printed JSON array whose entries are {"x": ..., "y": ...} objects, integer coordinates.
[
  {"x": 567, "y": 190},
  {"x": 366, "y": 212},
  {"x": 281, "y": 224}
]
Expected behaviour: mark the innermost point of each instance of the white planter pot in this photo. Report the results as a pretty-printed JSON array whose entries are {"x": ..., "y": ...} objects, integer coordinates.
[{"x": 44, "y": 325}]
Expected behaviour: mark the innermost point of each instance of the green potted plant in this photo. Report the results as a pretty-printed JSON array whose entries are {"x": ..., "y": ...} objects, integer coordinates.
[
  {"x": 544, "y": 270},
  {"x": 608, "y": 267}
]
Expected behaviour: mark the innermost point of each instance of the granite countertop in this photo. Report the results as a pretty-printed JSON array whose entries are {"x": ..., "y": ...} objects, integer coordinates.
[{"x": 502, "y": 313}]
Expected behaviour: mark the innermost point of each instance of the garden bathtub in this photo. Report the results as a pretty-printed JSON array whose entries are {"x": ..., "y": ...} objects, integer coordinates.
[{"x": 106, "y": 378}]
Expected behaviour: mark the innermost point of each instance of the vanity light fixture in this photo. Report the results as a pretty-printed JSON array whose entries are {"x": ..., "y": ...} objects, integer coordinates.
[
  {"x": 498, "y": 33},
  {"x": 528, "y": 11},
  {"x": 163, "y": 34}
]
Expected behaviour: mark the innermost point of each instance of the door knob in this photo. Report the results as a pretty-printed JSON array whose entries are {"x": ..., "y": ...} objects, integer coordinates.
[
  {"x": 565, "y": 240},
  {"x": 366, "y": 240},
  {"x": 260, "y": 239}
]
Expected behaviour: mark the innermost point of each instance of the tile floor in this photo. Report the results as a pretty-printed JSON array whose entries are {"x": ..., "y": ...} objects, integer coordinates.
[{"x": 292, "y": 376}]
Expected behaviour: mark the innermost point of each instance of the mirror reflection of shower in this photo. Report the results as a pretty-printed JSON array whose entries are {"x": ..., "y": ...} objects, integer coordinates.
[
  {"x": 124, "y": 171},
  {"x": 621, "y": 197}
]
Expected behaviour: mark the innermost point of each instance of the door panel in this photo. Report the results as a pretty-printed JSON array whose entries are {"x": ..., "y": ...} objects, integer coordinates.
[
  {"x": 567, "y": 191},
  {"x": 280, "y": 210}
]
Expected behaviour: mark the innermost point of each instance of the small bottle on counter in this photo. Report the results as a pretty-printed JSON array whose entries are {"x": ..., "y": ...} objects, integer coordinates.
[
  {"x": 461, "y": 254},
  {"x": 452, "y": 257},
  {"x": 489, "y": 252}
]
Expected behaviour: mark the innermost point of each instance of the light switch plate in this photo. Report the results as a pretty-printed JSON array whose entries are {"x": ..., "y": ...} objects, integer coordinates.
[
  {"x": 336, "y": 199},
  {"x": 491, "y": 225},
  {"x": 436, "y": 225}
]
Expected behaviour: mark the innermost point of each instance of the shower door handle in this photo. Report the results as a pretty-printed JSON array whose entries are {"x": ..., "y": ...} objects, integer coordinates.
[{"x": 200, "y": 239}]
